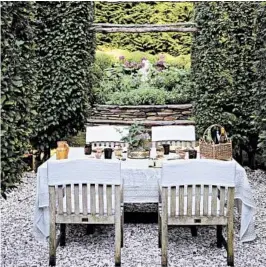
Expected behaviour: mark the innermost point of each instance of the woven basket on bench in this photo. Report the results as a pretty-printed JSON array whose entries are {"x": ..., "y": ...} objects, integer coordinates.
[{"x": 210, "y": 150}]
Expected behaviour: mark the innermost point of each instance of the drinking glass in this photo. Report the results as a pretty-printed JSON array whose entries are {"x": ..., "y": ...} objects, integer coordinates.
[{"x": 108, "y": 153}]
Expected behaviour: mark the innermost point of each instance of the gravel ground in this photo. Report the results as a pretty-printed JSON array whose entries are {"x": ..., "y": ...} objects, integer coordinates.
[{"x": 19, "y": 248}]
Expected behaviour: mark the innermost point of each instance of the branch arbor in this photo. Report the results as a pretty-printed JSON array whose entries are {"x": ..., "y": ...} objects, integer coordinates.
[
  {"x": 144, "y": 28},
  {"x": 139, "y": 12}
]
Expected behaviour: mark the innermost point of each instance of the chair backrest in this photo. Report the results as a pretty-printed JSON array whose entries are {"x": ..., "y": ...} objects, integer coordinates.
[
  {"x": 182, "y": 136},
  {"x": 198, "y": 187},
  {"x": 105, "y": 135},
  {"x": 198, "y": 171},
  {"x": 84, "y": 186}
]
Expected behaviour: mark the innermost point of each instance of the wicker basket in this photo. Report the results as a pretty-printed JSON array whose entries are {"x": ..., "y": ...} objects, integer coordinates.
[{"x": 210, "y": 150}]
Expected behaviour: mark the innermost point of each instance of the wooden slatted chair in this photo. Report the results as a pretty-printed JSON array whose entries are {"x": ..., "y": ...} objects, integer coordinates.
[
  {"x": 84, "y": 191},
  {"x": 185, "y": 200},
  {"x": 105, "y": 136},
  {"x": 175, "y": 135}
]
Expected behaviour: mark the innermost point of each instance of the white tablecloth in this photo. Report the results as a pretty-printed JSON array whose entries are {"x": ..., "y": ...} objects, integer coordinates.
[{"x": 141, "y": 186}]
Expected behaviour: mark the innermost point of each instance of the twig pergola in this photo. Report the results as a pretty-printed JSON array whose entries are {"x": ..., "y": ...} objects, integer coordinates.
[{"x": 142, "y": 28}]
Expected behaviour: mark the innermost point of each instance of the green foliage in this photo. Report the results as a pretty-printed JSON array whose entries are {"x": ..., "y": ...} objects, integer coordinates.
[
  {"x": 145, "y": 96},
  {"x": 182, "y": 61},
  {"x": 141, "y": 13},
  {"x": 66, "y": 54},
  {"x": 223, "y": 58},
  {"x": 102, "y": 62},
  {"x": 78, "y": 140},
  {"x": 123, "y": 85},
  {"x": 171, "y": 79},
  {"x": 137, "y": 137},
  {"x": 17, "y": 88},
  {"x": 259, "y": 88}
]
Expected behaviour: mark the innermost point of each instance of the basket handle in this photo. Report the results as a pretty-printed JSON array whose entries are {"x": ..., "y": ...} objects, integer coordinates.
[{"x": 210, "y": 127}]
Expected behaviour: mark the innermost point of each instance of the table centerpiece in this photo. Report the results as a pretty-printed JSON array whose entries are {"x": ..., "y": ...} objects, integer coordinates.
[{"x": 139, "y": 142}]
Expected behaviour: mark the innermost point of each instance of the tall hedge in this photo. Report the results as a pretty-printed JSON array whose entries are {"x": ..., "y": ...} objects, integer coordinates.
[
  {"x": 140, "y": 13},
  {"x": 66, "y": 54},
  {"x": 260, "y": 82},
  {"x": 223, "y": 58},
  {"x": 17, "y": 88}
]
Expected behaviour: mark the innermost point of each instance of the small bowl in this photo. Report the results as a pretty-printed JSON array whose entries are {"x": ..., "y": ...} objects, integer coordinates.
[
  {"x": 98, "y": 153},
  {"x": 181, "y": 153}
]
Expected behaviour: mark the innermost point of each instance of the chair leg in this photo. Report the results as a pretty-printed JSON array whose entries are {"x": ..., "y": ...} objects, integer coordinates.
[
  {"x": 62, "y": 241},
  {"x": 230, "y": 227},
  {"x": 52, "y": 237},
  {"x": 164, "y": 226},
  {"x": 164, "y": 244},
  {"x": 117, "y": 226},
  {"x": 90, "y": 229},
  {"x": 122, "y": 229},
  {"x": 159, "y": 230},
  {"x": 193, "y": 230},
  {"x": 52, "y": 260},
  {"x": 52, "y": 246},
  {"x": 230, "y": 245},
  {"x": 219, "y": 235}
]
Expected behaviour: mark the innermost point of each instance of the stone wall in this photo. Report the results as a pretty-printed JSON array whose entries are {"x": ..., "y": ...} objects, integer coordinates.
[{"x": 149, "y": 115}]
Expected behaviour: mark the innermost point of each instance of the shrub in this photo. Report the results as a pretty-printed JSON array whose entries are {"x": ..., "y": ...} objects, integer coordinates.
[
  {"x": 123, "y": 84},
  {"x": 175, "y": 97},
  {"x": 144, "y": 96},
  {"x": 181, "y": 62},
  {"x": 78, "y": 140},
  {"x": 147, "y": 96},
  {"x": 66, "y": 53},
  {"x": 103, "y": 60},
  {"x": 171, "y": 79},
  {"x": 17, "y": 89},
  {"x": 259, "y": 86},
  {"x": 223, "y": 72}
]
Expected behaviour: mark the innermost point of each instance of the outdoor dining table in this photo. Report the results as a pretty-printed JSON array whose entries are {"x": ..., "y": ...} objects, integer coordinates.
[{"x": 140, "y": 184}]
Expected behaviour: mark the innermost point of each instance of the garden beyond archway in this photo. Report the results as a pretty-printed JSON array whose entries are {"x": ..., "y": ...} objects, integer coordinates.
[{"x": 148, "y": 115}]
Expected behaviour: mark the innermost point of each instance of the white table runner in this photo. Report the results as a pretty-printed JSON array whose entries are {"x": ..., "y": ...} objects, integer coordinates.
[{"x": 141, "y": 186}]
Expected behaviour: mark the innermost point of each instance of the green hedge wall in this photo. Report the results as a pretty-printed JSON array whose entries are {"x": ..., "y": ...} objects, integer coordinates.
[
  {"x": 140, "y": 13},
  {"x": 223, "y": 58},
  {"x": 17, "y": 88},
  {"x": 66, "y": 53},
  {"x": 260, "y": 83}
]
